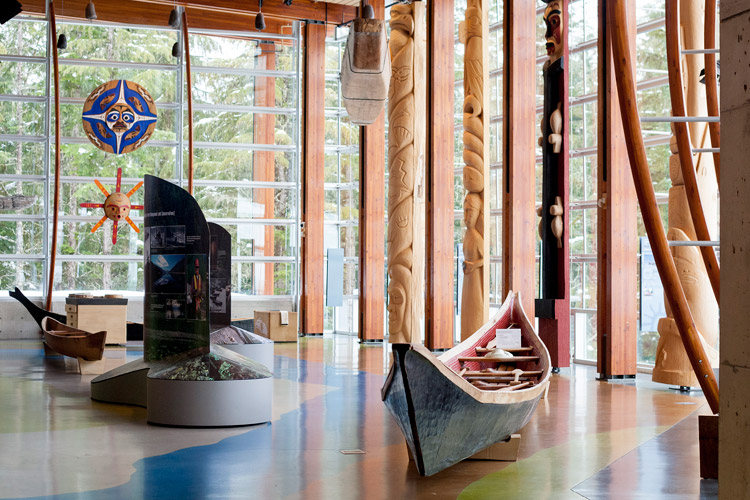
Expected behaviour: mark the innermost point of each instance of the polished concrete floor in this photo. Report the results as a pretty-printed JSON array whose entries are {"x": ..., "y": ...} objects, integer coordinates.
[{"x": 588, "y": 439}]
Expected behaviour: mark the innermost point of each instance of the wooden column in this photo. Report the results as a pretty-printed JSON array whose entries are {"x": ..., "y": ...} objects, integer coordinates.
[
  {"x": 264, "y": 161},
  {"x": 439, "y": 177},
  {"x": 475, "y": 299},
  {"x": 372, "y": 223},
  {"x": 312, "y": 292},
  {"x": 519, "y": 156},
  {"x": 553, "y": 308},
  {"x": 734, "y": 419},
  {"x": 617, "y": 237},
  {"x": 406, "y": 133}
]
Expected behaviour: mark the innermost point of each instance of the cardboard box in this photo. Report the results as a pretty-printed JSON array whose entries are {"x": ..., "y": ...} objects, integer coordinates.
[
  {"x": 93, "y": 314},
  {"x": 269, "y": 324},
  {"x": 504, "y": 451}
]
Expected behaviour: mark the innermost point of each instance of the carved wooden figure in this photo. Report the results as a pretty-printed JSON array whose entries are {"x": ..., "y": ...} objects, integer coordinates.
[
  {"x": 473, "y": 314},
  {"x": 672, "y": 365},
  {"x": 405, "y": 184},
  {"x": 552, "y": 308}
]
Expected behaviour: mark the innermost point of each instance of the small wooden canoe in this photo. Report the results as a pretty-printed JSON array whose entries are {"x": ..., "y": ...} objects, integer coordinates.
[
  {"x": 72, "y": 342},
  {"x": 455, "y": 405}
]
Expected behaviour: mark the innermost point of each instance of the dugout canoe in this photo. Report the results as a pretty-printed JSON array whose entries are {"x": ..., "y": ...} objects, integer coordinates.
[
  {"x": 73, "y": 342},
  {"x": 451, "y": 406}
]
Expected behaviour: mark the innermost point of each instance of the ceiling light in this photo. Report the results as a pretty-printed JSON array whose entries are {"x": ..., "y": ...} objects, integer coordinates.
[
  {"x": 62, "y": 42},
  {"x": 260, "y": 22},
  {"x": 174, "y": 18},
  {"x": 90, "y": 11}
]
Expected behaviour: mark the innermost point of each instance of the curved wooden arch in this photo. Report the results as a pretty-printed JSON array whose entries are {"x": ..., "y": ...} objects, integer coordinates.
[
  {"x": 617, "y": 23},
  {"x": 56, "y": 199},
  {"x": 712, "y": 82},
  {"x": 186, "y": 44},
  {"x": 682, "y": 135}
]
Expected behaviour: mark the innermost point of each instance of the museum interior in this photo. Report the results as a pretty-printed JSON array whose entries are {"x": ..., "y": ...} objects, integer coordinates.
[{"x": 301, "y": 249}]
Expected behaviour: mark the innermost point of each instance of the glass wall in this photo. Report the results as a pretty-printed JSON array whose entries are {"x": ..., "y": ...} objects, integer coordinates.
[
  {"x": 653, "y": 100},
  {"x": 245, "y": 93},
  {"x": 341, "y": 189}
]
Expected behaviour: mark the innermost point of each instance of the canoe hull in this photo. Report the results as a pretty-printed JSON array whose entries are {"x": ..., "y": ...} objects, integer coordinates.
[
  {"x": 445, "y": 419},
  {"x": 72, "y": 342},
  {"x": 446, "y": 425}
]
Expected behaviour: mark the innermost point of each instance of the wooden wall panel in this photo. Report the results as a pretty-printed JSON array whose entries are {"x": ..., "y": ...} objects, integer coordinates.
[
  {"x": 519, "y": 156},
  {"x": 617, "y": 321},
  {"x": 372, "y": 223},
  {"x": 312, "y": 178},
  {"x": 264, "y": 163},
  {"x": 439, "y": 316}
]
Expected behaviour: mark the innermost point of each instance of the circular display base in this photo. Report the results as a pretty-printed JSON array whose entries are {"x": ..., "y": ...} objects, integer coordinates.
[
  {"x": 209, "y": 403},
  {"x": 262, "y": 353}
]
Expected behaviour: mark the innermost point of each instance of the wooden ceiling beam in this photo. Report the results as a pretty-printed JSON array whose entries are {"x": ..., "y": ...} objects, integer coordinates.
[{"x": 205, "y": 14}]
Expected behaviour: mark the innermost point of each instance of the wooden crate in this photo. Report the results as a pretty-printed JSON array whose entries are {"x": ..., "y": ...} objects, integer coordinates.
[
  {"x": 268, "y": 324},
  {"x": 94, "y": 314}
]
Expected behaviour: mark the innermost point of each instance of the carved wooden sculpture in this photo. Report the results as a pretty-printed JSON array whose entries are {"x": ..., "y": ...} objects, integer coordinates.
[
  {"x": 672, "y": 363},
  {"x": 473, "y": 296},
  {"x": 405, "y": 188},
  {"x": 553, "y": 308}
]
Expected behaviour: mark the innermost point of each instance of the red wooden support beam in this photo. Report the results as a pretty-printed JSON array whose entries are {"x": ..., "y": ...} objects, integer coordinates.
[
  {"x": 372, "y": 223},
  {"x": 617, "y": 315},
  {"x": 311, "y": 305},
  {"x": 439, "y": 315}
]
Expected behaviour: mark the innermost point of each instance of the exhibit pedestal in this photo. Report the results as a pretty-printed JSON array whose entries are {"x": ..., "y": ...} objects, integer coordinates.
[{"x": 209, "y": 403}]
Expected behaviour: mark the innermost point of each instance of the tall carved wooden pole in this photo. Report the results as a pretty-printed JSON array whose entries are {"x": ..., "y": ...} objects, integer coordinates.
[
  {"x": 672, "y": 365},
  {"x": 473, "y": 33},
  {"x": 406, "y": 133},
  {"x": 553, "y": 308}
]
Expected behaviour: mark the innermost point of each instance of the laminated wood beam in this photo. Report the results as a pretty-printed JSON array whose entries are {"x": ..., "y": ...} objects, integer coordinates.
[
  {"x": 519, "y": 157},
  {"x": 313, "y": 171},
  {"x": 372, "y": 223},
  {"x": 617, "y": 314},
  {"x": 439, "y": 316}
]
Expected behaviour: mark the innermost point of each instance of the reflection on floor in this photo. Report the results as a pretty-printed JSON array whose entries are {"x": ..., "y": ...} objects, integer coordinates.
[{"x": 588, "y": 439}]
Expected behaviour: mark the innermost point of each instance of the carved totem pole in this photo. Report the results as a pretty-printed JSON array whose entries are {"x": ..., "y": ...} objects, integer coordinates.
[
  {"x": 406, "y": 172},
  {"x": 474, "y": 297},
  {"x": 672, "y": 364},
  {"x": 553, "y": 308}
]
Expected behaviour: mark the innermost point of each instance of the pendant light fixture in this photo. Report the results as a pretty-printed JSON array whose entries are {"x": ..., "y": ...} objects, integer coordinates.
[
  {"x": 90, "y": 11},
  {"x": 176, "y": 49},
  {"x": 174, "y": 18},
  {"x": 368, "y": 12},
  {"x": 260, "y": 22},
  {"x": 62, "y": 40}
]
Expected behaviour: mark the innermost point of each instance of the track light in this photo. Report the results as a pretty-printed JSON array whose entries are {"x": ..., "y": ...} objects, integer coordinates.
[
  {"x": 90, "y": 11},
  {"x": 260, "y": 21},
  {"x": 62, "y": 42},
  {"x": 174, "y": 18},
  {"x": 176, "y": 49}
]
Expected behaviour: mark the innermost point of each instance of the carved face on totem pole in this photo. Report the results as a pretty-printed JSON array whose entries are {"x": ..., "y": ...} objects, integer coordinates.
[
  {"x": 553, "y": 19},
  {"x": 398, "y": 298},
  {"x": 472, "y": 210}
]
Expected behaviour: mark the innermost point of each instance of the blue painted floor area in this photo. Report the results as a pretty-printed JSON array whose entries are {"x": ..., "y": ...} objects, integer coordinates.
[{"x": 269, "y": 460}]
